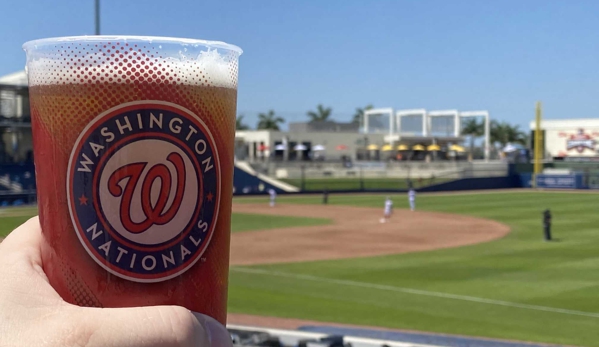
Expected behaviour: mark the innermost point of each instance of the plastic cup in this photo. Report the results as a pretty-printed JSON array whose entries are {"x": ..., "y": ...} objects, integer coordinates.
[{"x": 133, "y": 145}]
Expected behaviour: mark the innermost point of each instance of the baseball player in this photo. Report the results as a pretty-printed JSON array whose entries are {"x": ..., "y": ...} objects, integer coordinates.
[
  {"x": 388, "y": 210},
  {"x": 412, "y": 199},
  {"x": 273, "y": 197}
]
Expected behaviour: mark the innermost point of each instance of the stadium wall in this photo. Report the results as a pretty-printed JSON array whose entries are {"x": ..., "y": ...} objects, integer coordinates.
[
  {"x": 248, "y": 182},
  {"x": 511, "y": 180},
  {"x": 17, "y": 184},
  {"x": 476, "y": 183}
]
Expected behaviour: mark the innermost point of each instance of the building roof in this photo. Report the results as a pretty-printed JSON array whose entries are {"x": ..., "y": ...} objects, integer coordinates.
[
  {"x": 18, "y": 78},
  {"x": 559, "y": 124},
  {"x": 324, "y": 126}
]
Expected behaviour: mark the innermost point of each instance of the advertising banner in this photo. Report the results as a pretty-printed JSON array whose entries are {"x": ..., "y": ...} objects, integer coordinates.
[{"x": 560, "y": 181}]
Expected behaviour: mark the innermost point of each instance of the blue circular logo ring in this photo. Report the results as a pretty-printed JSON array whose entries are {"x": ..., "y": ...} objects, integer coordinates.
[{"x": 143, "y": 189}]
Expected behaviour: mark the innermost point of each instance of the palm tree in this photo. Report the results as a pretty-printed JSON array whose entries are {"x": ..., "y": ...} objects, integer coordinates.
[
  {"x": 504, "y": 133},
  {"x": 269, "y": 121},
  {"x": 239, "y": 125},
  {"x": 359, "y": 115},
  {"x": 515, "y": 135},
  {"x": 474, "y": 129},
  {"x": 322, "y": 114}
]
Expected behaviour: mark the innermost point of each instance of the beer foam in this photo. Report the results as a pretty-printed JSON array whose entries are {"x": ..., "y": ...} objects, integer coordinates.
[{"x": 130, "y": 60}]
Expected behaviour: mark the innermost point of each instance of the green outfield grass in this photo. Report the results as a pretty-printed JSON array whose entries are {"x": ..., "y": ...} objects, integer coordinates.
[
  {"x": 518, "y": 287},
  {"x": 249, "y": 222},
  {"x": 355, "y": 183}
]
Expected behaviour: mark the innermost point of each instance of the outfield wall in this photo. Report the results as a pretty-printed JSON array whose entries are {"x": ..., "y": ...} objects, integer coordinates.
[
  {"x": 382, "y": 169},
  {"x": 476, "y": 183}
]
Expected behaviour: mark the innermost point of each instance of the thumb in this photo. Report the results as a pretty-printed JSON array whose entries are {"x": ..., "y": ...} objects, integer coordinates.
[{"x": 151, "y": 326}]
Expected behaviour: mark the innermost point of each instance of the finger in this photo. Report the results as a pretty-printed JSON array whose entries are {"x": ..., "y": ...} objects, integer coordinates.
[
  {"x": 26, "y": 237},
  {"x": 152, "y": 326},
  {"x": 22, "y": 247},
  {"x": 20, "y": 256}
]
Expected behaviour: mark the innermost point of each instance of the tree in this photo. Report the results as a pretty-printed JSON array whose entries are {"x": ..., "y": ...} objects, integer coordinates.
[
  {"x": 322, "y": 114},
  {"x": 515, "y": 135},
  {"x": 269, "y": 121},
  {"x": 239, "y": 125},
  {"x": 504, "y": 133},
  {"x": 359, "y": 115},
  {"x": 474, "y": 129}
]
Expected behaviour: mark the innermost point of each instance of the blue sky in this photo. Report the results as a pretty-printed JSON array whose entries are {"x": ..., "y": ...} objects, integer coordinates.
[{"x": 435, "y": 54}]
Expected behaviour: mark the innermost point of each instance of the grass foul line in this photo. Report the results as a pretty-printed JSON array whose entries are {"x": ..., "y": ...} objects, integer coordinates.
[{"x": 416, "y": 292}]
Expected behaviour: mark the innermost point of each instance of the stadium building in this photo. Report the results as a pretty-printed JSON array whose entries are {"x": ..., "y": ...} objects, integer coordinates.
[
  {"x": 387, "y": 144},
  {"x": 384, "y": 134},
  {"x": 569, "y": 139},
  {"x": 414, "y": 135},
  {"x": 16, "y": 148}
]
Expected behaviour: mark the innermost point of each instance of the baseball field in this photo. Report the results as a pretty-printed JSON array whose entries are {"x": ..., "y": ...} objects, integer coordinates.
[{"x": 468, "y": 264}]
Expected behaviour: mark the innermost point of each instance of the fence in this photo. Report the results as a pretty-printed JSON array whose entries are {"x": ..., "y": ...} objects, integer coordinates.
[
  {"x": 383, "y": 176},
  {"x": 17, "y": 182}
]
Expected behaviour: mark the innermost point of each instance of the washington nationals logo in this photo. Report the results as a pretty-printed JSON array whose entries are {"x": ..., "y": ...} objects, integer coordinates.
[
  {"x": 154, "y": 213},
  {"x": 143, "y": 190}
]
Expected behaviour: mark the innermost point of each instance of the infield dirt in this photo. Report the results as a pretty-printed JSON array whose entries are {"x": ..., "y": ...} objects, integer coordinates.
[{"x": 355, "y": 232}]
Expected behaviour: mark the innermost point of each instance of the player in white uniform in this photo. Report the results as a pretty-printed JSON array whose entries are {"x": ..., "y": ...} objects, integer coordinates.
[
  {"x": 412, "y": 199},
  {"x": 388, "y": 210},
  {"x": 273, "y": 197}
]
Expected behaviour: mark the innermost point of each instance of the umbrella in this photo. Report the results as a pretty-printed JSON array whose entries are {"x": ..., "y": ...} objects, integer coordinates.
[
  {"x": 418, "y": 148},
  {"x": 433, "y": 148},
  {"x": 402, "y": 148},
  {"x": 279, "y": 147},
  {"x": 387, "y": 148},
  {"x": 372, "y": 147},
  {"x": 341, "y": 147},
  {"x": 319, "y": 148},
  {"x": 300, "y": 147},
  {"x": 457, "y": 148}
]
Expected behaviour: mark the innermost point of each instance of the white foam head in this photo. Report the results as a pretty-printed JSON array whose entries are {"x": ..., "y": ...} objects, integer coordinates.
[{"x": 124, "y": 59}]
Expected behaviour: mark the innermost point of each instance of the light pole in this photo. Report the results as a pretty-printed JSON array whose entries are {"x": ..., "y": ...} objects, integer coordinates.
[{"x": 97, "y": 13}]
